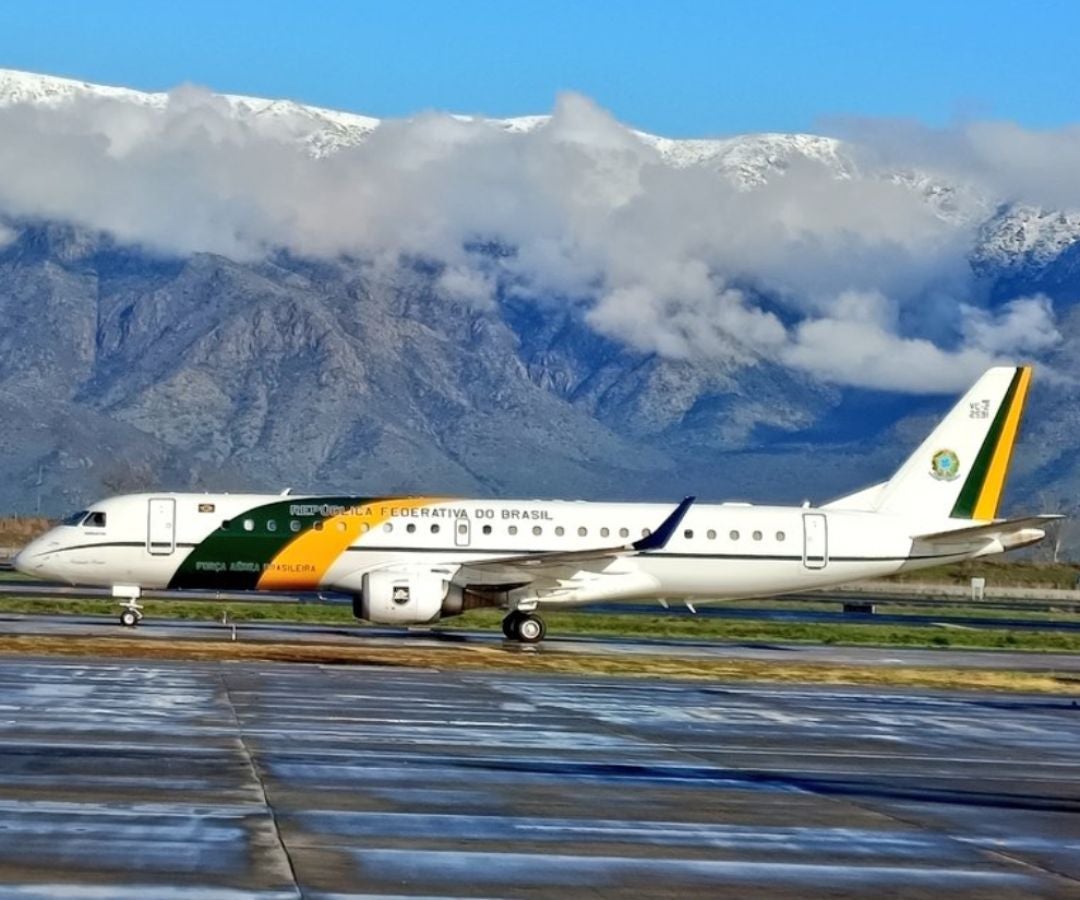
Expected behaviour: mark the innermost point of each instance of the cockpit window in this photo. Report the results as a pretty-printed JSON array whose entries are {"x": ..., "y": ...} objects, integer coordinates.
[
  {"x": 75, "y": 518},
  {"x": 95, "y": 520}
]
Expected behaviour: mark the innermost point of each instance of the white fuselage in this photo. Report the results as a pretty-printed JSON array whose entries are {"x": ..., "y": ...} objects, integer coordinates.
[{"x": 248, "y": 541}]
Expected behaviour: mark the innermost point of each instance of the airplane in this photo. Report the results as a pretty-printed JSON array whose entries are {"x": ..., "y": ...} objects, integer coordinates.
[{"x": 414, "y": 560}]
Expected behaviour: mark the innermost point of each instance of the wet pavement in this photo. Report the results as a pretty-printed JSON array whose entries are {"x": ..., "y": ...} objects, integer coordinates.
[{"x": 200, "y": 780}]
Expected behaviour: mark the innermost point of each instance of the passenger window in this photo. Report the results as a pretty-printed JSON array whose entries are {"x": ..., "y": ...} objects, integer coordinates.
[
  {"x": 734, "y": 535},
  {"x": 364, "y": 527},
  {"x": 487, "y": 529},
  {"x": 645, "y": 532},
  {"x": 537, "y": 530},
  {"x": 582, "y": 532},
  {"x": 271, "y": 525},
  {"x": 711, "y": 534},
  {"x": 95, "y": 520},
  {"x": 559, "y": 530},
  {"x": 318, "y": 525},
  {"x": 294, "y": 526},
  {"x": 434, "y": 527},
  {"x": 225, "y": 525},
  {"x": 388, "y": 526},
  {"x": 780, "y": 535},
  {"x": 249, "y": 524},
  {"x": 341, "y": 526},
  {"x": 512, "y": 529},
  {"x": 624, "y": 532},
  {"x": 757, "y": 535},
  {"x": 605, "y": 532},
  {"x": 410, "y": 528},
  {"x": 688, "y": 534}
]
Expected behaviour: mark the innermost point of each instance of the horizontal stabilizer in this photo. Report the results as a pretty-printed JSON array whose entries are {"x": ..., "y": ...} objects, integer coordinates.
[{"x": 989, "y": 531}]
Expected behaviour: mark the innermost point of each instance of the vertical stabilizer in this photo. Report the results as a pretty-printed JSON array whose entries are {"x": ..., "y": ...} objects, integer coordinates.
[{"x": 959, "y": 471}]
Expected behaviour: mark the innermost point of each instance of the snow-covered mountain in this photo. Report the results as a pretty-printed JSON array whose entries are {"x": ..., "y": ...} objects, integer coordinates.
[
  {"x": 1023, "y": 235},
  {"x": 749, "y": 160}
]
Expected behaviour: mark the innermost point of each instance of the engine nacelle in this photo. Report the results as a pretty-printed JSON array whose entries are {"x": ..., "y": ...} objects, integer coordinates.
[
  {"x": 406, "y": 595},
  {"x": 416, "y": 595},
  {"x": 402, "y": 595}
]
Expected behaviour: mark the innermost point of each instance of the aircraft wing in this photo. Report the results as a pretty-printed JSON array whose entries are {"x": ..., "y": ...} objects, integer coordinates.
[
  {"x": 529, "y": 567},
  {"x": 1003, "y": 530}
]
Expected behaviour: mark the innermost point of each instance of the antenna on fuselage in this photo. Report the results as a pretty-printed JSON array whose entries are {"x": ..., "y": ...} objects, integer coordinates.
[{"x": 286, "y": 492}]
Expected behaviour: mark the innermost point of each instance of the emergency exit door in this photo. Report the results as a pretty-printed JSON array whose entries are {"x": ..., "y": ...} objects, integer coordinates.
[
  {"x": 161, "y": 526},
  {"x": 815, "y": 541}
]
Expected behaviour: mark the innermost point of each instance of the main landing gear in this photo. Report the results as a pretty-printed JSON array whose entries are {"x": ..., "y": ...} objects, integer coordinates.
[{"x": 528, "y": 628}]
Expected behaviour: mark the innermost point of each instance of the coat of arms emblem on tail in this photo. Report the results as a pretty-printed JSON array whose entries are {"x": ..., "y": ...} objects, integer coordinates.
[{"x": 945, "y": 465}]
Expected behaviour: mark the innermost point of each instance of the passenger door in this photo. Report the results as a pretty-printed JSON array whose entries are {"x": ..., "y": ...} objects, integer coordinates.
[
  {"x": 815, "y": 541},
  {"x": 161, "y": 526}
]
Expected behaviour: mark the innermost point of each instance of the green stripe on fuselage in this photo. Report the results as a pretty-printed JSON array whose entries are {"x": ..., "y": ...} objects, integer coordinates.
[{"x": 234, "y": 558}]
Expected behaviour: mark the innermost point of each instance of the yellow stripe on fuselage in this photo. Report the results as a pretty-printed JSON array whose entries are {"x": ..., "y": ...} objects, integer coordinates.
[
  {"x": 304, "y": 562},
  {"x": 990, "y": 497}
]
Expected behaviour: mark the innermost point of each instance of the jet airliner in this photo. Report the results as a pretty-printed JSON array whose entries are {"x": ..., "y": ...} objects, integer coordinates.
[{"x": 415, "y": 560}]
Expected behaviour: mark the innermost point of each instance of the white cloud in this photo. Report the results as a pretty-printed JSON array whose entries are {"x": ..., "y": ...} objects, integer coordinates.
[
  {"x": 1004, "y": 159},
  {"x": 475, "y": 289},
  {"x": 866, "y": 355},
  {"x": 856, "y": 278},
  {"x": 1024, "y": 325},
  {"x": 859, "y": 346}
]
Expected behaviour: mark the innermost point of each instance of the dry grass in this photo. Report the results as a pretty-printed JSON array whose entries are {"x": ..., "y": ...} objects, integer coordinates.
[
  {"x": 18, "y": 531},
  {"x": 536, "y": 660}
]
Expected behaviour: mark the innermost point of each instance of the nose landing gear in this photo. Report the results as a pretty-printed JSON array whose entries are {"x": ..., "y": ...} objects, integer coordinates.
[
  {"x": 131, "y": 614},
  {"x": 528, "y": 628}
]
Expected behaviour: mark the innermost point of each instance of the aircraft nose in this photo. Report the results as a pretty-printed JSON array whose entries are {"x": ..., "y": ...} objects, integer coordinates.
[{"x": 23, "y": 561}]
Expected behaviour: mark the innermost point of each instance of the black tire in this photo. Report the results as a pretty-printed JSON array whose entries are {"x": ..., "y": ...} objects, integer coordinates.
[
  {"x": 129, "y": 618},
  {"x": 509, "y": 625},
  {"x": 530, "y": 629}
]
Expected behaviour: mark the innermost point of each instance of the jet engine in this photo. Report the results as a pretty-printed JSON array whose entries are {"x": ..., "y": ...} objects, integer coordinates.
[{"x": 415, "y": 595}]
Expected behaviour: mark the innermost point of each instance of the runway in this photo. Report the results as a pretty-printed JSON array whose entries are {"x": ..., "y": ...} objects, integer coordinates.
[
  {"x": 1022, "y": 621},
  {"x": 197, "y": 780}
]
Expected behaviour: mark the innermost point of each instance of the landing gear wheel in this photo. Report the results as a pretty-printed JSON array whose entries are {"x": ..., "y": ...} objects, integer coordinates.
[
  {"x": 129, "y": 618},
  {"x": 530, "y": 629},
  {"x": 509, "y": 625}
]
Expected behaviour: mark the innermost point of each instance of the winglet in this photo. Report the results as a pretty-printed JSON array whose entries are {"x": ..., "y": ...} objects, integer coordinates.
[{"x": 659, "y": 538}]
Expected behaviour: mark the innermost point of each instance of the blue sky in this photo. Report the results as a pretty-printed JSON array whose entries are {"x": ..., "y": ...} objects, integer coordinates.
[{"x": 680, "y": 68}]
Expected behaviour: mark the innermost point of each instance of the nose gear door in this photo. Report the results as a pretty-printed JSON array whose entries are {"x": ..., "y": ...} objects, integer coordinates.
[{"x": 161, "y": 526}]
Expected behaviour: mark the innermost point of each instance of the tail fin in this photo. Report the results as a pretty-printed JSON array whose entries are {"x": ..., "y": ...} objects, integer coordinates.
[{"x": 959, "y": 470}]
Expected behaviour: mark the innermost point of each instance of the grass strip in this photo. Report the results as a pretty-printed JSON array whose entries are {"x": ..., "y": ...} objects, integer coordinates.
[{"x": 499, "y": 659}]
